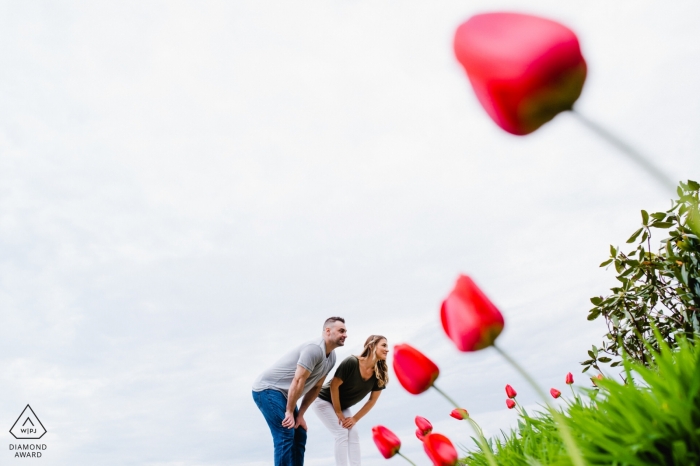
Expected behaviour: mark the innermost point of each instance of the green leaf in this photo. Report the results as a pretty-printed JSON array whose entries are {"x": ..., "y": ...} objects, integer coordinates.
[
  {"x": 645, "y": 217},
  {"x": 596, "y": 300},
  {"x": 658, "y": 215},
  {"x": 661, "y": 224},
  {"x": 635, "y": 235},
  {"x": 604, "y": 359},
  {"x": 603, "y": 264},
  {"x": 693, "y": 185}
]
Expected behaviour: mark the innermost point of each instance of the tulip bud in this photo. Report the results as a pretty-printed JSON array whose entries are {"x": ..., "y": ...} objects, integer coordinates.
[
  {"x": 420, "y": 435},
  {"x": 440, "y": 450},
  {"x": 459, "y": 413},
  {"x": 555, "y": 393},
  {"x": 510, "y": 391},
  {"x": 387, "y": 442},
  {"x": 423, "y": 425},
  {"x": 416, "y": 373},
  {"x": 569, "y": 378},
  {"x": 524, "y": 69},
  {"x": 510, "y": 403},
  {"x": 469, "y": 318}
]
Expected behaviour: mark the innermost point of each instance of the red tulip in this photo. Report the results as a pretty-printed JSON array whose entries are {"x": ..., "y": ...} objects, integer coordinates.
[
  {"x": 423, "y": 425},
  {"x": 469, "y": 318},
  {"x": 510, "y": 403},
  {"x": 459, "y": 413},
  {"x": 510, "y": 391},
  {"x": 415, "y": 371},
  {"x": 555, "y": 393},
  {"x": 524, "y": 69},
  {"x": 569, "y": 378},
  {"x": 387, "y": 442},
  {"x": 420, "y": 435},
  {"x": 440, "y": 450}
]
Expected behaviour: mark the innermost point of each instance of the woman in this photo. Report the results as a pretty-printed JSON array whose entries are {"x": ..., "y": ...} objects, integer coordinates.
[{"x": 355, "y": 377}]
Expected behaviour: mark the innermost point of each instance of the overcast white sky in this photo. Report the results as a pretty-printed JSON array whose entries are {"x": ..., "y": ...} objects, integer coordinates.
[{"x": 187, "y": 189}]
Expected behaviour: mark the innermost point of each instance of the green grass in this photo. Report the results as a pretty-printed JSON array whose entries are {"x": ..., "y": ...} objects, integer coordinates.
[{"x": 652, "y": 420}]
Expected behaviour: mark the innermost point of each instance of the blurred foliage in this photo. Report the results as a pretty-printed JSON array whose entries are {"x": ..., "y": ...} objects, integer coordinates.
[
  {"x": 536, "y": 442},
  {"x": 653, "y": 419},
  {"x": 659, "y": 289}
]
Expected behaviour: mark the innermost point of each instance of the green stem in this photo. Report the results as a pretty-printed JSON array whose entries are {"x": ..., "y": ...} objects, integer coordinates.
[
  {"x": 573, "y": 392},
  {"x": 564, "y": 431},
  {"x": 477, "y": 430},
  {"x": 404, "y": 457},
  {"x": 630, "y": 151}
]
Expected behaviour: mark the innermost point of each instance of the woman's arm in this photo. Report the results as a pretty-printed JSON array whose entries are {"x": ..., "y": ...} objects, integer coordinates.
[
  {"x": 335, "y": 398},
  {"x": 351, "y": 421}
]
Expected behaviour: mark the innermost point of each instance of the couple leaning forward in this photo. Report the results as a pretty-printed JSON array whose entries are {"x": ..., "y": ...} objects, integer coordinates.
[{"x": 301, "y": 373}]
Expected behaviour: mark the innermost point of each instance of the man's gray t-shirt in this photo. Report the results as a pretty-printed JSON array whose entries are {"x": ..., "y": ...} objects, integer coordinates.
[{"x": 310, "y": 355}]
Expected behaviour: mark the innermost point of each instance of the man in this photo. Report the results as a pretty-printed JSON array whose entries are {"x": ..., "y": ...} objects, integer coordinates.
[{"x": 300, "y": 372}]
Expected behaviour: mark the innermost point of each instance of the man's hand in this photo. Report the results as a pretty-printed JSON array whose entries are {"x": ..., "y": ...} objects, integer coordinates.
[
  {"x": 288, "y": 420},
  {"x": 301, "y": 422},
  {"x": 348, "y": 422}
]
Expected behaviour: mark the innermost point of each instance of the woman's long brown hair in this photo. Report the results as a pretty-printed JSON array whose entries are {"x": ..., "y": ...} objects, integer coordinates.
[{"x": 381, "y": 371}]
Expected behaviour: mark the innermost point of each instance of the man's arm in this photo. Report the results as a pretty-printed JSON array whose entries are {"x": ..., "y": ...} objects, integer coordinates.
[
  {"x": 348, "y": 422},
  {"x": 306, "y": 402},
  {"x": 295, "y": 390}
]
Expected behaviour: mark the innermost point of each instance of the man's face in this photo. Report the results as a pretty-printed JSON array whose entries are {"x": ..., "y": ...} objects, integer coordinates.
[{"x": 338, "y": 333}]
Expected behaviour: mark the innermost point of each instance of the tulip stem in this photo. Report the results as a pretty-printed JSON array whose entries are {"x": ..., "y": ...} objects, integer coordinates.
[
  {"x": 631, "y": 152},
  {"x": 573, "y": 392},
  {"x": 559, "y": 419},
  {"x": 404, "y": 457},
  {"x": 477, "y": 430}
]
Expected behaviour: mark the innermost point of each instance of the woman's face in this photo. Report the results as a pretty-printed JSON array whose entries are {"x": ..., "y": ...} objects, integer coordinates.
[{"x": 382, "y": 349}]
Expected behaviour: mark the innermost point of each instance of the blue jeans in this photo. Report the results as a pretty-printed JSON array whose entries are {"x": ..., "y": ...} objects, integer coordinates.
[{"x": 290, "y": 444}]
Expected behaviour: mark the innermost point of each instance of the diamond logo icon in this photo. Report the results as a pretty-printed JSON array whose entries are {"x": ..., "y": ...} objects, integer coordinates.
[{"x": 28, "y": 426}]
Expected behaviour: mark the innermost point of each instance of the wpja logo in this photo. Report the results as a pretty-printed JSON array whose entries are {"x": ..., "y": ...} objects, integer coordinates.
[{"x": 28, "y": 427}]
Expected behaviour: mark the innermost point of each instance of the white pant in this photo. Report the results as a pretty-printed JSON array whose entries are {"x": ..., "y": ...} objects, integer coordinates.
[{"x": 347, "y": 441}]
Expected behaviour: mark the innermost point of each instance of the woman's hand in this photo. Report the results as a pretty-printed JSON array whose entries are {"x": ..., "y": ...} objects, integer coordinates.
[
  {"x": 341, "y": 418},
  {"x": 349, "y": 422}
]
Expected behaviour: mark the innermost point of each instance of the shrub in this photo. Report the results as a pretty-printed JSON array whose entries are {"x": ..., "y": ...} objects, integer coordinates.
[{"x": 659, "y": 290}]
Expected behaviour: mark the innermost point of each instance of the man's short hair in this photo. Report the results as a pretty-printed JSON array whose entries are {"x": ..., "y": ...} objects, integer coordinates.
[{"x": 329, "y": 321}]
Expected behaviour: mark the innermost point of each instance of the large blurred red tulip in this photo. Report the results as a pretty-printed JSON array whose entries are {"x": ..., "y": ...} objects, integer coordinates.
[
  {"x": 387, "y": 442},
  {"x": 524, "y": 69},
  {"x": 440, "y": 450},
  {"x": 416, "y": 373},
  {"x": 469, "y": 318}
]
